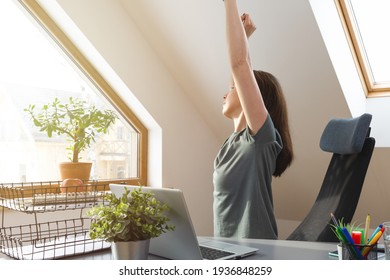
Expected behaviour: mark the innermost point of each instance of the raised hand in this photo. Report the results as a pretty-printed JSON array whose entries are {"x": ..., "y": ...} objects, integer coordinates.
[{"x": 249, "y": 26}]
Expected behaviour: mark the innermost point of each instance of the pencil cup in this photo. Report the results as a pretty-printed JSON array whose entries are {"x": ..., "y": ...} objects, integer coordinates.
[{"x": 350, "y": 252}]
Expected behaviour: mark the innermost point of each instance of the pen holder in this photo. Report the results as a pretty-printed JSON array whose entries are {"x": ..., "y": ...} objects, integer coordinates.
[{"x": 349, "y": 251}]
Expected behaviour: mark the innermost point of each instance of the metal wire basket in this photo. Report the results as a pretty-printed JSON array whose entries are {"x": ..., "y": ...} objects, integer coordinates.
[
  {"x": 50, "y": 240},
  {"x": 49, "y": 196},
  {"x": 53, "y": 239}
]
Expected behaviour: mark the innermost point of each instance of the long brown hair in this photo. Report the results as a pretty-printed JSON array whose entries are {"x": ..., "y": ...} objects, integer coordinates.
[{"x": 276, "y": 105}]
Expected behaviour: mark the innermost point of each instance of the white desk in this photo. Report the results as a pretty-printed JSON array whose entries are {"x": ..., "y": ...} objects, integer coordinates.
[{"x": 268, "y": 250}]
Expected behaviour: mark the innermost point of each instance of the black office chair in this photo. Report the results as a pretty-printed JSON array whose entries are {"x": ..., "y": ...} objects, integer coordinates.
[{"x": 352, "y": 147}]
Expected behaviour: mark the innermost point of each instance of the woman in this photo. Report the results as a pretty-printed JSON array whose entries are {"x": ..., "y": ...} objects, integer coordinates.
[{"x": 260, "y": 146}]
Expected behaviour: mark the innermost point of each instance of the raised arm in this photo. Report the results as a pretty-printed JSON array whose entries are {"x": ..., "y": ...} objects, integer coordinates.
[{"x": 241, "y": 69}]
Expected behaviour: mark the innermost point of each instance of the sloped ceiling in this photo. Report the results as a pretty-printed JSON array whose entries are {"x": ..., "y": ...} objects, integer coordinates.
[{"x": 189, "y": 37}]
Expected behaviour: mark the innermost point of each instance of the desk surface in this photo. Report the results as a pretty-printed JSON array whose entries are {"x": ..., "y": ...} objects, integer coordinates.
[{"x": 268, "y": 250}]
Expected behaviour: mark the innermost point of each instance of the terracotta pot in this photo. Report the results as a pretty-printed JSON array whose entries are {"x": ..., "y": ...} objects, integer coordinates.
[
  {"x": 79, "y": 170},
  {"x": 72, "y": 185}
]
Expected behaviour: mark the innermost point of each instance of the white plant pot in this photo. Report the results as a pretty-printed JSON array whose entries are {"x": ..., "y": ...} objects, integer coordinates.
[{"x": 130, "y": 250}]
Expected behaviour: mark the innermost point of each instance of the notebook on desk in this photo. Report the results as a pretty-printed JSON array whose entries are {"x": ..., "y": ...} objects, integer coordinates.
[{"x": 182, "y": 243}]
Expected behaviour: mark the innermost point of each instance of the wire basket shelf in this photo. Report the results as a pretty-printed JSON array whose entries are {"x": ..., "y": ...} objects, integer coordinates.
[
  {"x": 49, "y": 240},
  {"x": 51, "y": 196},
  {"x": 53, "y": 239}
]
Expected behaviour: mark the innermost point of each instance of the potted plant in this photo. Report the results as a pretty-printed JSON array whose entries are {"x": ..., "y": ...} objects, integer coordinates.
[
  {"x": 129, "y": 222},
  {"x": 80, "y": 122}
]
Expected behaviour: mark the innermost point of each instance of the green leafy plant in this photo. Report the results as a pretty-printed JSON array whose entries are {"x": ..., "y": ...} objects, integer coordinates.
[
  {"x": 79, "y": 121},
  {"x": 136, "y": 215}
]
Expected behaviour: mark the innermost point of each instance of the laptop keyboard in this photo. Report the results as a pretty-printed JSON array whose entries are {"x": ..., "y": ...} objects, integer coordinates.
[{"x": 213, "y": 254}]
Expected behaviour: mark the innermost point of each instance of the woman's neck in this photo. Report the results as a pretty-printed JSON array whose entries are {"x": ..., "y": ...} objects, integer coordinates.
[{"x": 239, "y": 123}]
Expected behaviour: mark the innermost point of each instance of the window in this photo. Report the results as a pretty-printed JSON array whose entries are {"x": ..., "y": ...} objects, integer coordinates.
[
  {"x": 35, "y": 69},
  {"x": 367, "y": 23}
]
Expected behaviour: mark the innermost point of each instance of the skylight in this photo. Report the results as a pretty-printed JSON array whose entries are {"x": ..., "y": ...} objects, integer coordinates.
[{"x": 367, "y": 23}]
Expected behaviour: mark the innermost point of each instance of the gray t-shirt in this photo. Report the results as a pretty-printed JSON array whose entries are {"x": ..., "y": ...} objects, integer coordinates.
[{"x": 243, "y": 168}]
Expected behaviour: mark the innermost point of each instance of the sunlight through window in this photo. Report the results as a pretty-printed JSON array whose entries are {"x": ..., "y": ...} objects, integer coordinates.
[{"x": 33, "y": 70}]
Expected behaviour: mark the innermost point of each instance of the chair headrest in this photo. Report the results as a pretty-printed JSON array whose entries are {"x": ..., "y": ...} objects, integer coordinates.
[{"x": 345, "y": 136}]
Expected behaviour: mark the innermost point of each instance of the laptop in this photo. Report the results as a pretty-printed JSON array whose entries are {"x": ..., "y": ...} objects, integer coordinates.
[{"x": 182, "y": 243}]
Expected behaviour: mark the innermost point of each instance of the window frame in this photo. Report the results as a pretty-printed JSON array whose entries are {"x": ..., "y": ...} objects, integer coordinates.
[
  {"x": 371, "y": 88},
  {"x": 70, "y": 49}
]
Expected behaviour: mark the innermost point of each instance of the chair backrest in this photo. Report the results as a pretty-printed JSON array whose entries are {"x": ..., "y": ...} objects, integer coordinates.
[{"x": 352, "y": 148}]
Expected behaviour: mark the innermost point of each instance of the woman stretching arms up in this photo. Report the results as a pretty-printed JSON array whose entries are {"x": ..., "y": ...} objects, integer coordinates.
[{"x": 260, "y": 146}]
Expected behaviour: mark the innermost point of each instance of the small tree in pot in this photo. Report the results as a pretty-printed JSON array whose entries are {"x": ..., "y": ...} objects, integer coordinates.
[{"x": 79, "y": 121}]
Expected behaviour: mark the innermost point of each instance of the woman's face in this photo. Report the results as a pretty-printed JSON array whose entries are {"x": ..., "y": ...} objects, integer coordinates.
[{"x": 231, "y": 104}]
